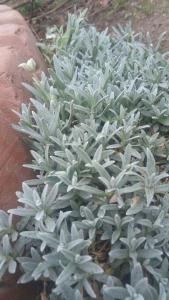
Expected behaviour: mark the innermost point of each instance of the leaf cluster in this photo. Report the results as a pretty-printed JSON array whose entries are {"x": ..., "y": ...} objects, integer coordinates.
[{"x": 95, "y": 220}]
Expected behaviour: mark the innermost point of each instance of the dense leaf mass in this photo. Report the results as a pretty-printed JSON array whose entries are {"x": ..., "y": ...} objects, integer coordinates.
[{"x": 95, "y": 221}]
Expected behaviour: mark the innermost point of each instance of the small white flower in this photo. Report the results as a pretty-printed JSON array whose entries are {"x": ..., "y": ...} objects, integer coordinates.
[{"x": 29, "y": 66}]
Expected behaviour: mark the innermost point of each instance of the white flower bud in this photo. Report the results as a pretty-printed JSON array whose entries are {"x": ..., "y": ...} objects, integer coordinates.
[{"x": 29, "y": 66}]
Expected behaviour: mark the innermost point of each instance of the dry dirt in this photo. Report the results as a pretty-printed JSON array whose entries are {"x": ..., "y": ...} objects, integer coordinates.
[{"x": 145, "y": 15}]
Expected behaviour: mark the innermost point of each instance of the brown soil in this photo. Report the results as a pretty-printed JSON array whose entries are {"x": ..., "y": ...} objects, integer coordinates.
[{"x": 145, "y": 15}]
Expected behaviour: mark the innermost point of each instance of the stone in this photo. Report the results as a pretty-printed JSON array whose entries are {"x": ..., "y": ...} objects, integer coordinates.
[
  {"x": 19, "y": 291},
  {"x": 17, "y": 45},
  {"x": 9, "y": 288}
]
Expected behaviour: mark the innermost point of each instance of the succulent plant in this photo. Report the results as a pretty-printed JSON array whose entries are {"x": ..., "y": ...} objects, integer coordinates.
[{"x": 95, "y": 221}]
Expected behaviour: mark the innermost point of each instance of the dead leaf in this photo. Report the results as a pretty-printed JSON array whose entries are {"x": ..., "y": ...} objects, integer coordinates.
[
  {"x": 135, "y": 200},
  {"x": 104, "y": 3},
  {"x": 43, "y": 296},
  {"x": 113, "y": 199}
]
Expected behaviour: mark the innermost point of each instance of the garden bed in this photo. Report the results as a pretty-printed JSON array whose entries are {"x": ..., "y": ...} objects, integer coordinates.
[{"x": 94, "y": 223}]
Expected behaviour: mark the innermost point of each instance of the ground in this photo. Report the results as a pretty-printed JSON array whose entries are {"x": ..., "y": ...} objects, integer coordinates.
[{"x": 145, "y": 15}]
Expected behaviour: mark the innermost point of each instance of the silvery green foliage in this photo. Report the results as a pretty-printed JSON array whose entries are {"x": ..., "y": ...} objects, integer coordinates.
[
  {"x": 95, "y": 221},
  {"x": 139, "y": 288},
  {"x": 11, "y": 244}
]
